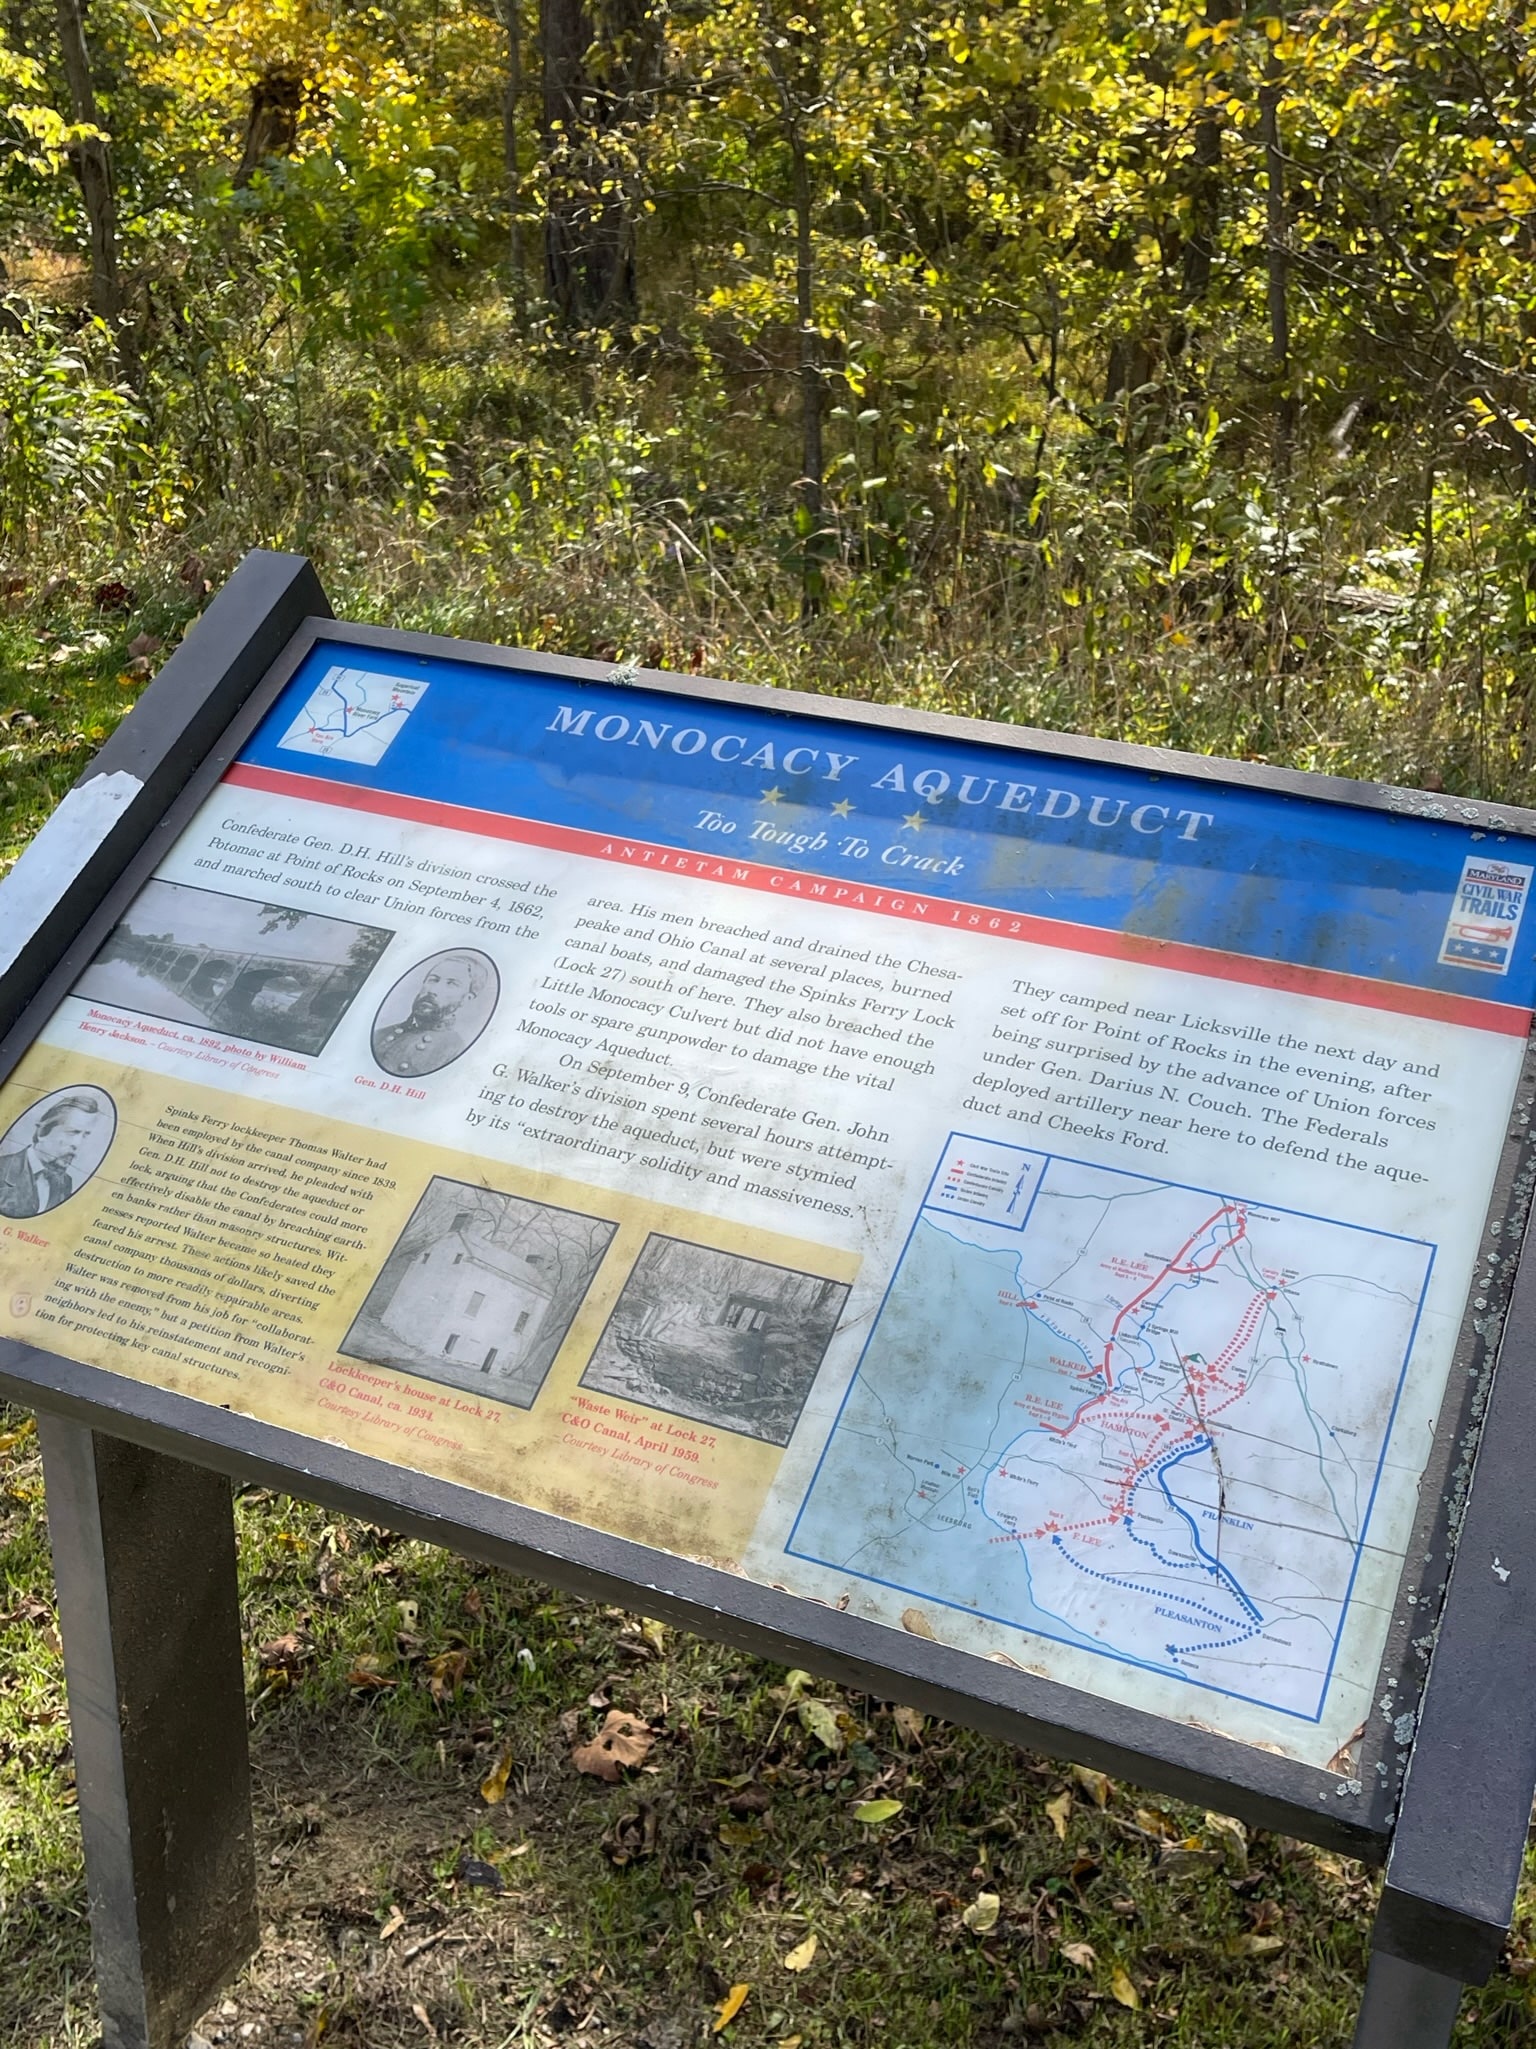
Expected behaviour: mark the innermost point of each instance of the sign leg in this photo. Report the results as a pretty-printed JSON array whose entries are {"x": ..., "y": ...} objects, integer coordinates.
[
  {"x": 1405, "y": 2006},
  {"x": 144, "y": 1559}
]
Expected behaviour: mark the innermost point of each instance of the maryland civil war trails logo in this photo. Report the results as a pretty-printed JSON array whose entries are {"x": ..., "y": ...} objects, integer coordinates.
[{"x": 1485, "y": 918}]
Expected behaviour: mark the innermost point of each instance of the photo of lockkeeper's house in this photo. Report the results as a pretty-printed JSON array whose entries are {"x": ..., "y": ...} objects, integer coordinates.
[
  {"x": 479, "y": 1290},
  {"x": 469, "y": 1299}
]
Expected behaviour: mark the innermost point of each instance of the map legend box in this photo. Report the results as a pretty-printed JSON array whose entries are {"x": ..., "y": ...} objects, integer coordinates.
[{"x": 992, "y": 1183}]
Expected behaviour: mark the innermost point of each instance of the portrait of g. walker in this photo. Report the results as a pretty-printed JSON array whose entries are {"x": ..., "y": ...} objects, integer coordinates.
[{"x": 53, "y": 1149}]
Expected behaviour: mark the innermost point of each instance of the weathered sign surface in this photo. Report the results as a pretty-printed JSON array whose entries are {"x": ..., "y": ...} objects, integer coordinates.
[{"x": 1025, "y": 1200}]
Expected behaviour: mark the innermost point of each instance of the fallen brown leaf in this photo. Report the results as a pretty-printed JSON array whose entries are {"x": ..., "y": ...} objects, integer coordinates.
[
  {"x": 729, "y": 2007},
  {"x": 624, "y": 1740},
  {"x": 1094, "y": 1784},
  {"x": 28, "y": 1609},
  {"x": 750, "y": 1800},
  {"x": 632, "y": 1839},
  {"x": 285, "y": 1654},
  {"x": 909, "y": 1725},
  {"x": 445, "y": 1674},
  {"x": 368, "y": 1675},
  {"x": 493, "y": 1787}
]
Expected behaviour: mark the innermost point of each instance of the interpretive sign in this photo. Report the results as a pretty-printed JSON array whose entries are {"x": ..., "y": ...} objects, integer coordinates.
[{"x": 1020, "y": 1196}]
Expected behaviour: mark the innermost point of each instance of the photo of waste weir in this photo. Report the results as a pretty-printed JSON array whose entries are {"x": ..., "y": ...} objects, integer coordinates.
[
  {"x": 259, "y": 971},
  {"x": 717, "y": 1337},
  {"x": 480, "y": 1290}
]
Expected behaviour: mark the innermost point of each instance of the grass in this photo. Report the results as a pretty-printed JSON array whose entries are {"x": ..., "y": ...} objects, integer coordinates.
[{"x": 388, "y": 1682}]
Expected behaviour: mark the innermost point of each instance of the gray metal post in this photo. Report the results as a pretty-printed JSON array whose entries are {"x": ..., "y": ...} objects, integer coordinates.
[
  {"x": 1405, "y": 2006},
  {"x": 144, "y": 1559}
]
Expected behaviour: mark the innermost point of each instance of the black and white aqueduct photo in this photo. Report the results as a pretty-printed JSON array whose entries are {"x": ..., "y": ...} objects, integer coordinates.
[{"x": 265, "y": 972}]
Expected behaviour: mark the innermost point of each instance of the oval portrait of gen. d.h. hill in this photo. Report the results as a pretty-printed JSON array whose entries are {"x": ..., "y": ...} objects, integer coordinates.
[
  {"x": 435, "y": 1012},
  {"x": 52, "y": 1149}
]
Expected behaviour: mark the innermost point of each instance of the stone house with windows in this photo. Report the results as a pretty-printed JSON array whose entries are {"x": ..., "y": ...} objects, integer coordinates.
[{"x": 472, "y": 1300}]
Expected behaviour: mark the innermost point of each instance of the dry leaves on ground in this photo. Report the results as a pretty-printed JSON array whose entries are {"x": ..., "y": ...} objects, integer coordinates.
[
  {"x": 1122, "y": 1988},
  {"x": 981, "y": 1915},
  {"x": 493, "y": 1787},
  {"x": 1093, "y": 1783},
  {"x": 729, "y": 2007},
  {"x": 623, "y": 1741},
  {"x": 821, "y": 1720},
  {"x": 368, "y": 1675},
  {"x": 632, "y": 1838},
  {"x": 446, "y": 1673},
  {"x": 282, "y": 1658}
]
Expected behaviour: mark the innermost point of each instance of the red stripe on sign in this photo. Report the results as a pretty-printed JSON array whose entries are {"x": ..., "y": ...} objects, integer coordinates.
[{"x": 938, "y": 913}]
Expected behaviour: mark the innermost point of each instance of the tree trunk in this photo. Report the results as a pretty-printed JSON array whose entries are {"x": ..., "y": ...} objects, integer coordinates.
[
  {"x": 92, "y": 162},
  {"x": 812, "y": 391},
  {"x": 598, "y": 60},
  {"x": 1205, "y": 185},
  {"x": 1277, "y": 264},
  {"x": 565, "y": 33},
  {"x": 1205, "y": 209},
  {"x": 511, "y": 117},
  {"x": 272, "y": 125}
]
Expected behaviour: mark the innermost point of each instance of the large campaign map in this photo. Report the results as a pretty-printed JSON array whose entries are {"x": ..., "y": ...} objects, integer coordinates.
[{"x": 1140, "y": 1418}]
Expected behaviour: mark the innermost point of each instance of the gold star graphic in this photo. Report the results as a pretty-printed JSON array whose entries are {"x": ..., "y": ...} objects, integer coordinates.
[
  {"x": 842, "y": 808},
  {"x": 913, "y": 822},
  {"x": 772, "y": 796}
]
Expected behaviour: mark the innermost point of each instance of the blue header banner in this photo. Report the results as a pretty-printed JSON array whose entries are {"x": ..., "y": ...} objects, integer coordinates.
[{"x": 1424, "y": 904}]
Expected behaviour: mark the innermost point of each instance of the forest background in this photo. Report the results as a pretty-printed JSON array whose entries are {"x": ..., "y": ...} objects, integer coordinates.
[{"x": 1164, "y": 371}]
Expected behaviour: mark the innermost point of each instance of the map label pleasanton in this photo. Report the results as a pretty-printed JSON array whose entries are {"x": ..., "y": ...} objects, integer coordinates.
[{"x": 1023, "y": 1201}]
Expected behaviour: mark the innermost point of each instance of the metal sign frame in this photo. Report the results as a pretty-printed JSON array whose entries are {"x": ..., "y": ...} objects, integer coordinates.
[{"x": 1439, "y": 1785}]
